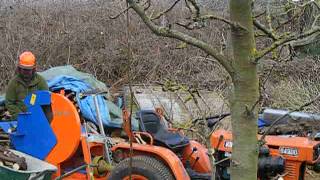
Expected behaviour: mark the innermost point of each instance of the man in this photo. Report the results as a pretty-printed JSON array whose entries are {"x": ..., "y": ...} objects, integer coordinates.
[{"x": 25, "y": 81}]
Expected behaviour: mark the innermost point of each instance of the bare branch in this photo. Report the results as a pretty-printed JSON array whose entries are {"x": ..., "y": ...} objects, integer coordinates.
[
  {"x": 287, "y": 39},
  {"x": 120, "y": 13},
  {"x": 269, "y": 18},
  {"x": 317, "y": 5},
  {"x": 305, "y": 41},
  {"x": 262, "y": 88},
  {"x": 305, "y": 4},
  {"x": 198, "y": 23},
  {"x": 222, "y": 160},
  {"x": 148, "y": 2},
  {"x": 288, "y": 21},
  {"x": 186, "y": 25},
  {"x": 165, "y": 11},
  {"x": 264, "y": 29},
  {"x": 231, "y": 23},
  {"x": 315, "y": 21},
  {"x": 193, "y": 8},
  {"x": 168, "y": 32},
  {"x": 258, "y": 15},
  {"x": 288, "y": 57},
  {"x": 310, "y": 39}
]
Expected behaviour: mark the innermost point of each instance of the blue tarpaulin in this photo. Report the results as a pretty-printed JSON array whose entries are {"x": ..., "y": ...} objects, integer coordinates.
[
  {"x": 67, "y": 77},
  {"x": 2, "y": 101},
  {"x": 70, "y": 70},
  {"x": 68, "y": 83},
  {"x": 86, "y": 103},
  {"x": 263, "y": 123}
]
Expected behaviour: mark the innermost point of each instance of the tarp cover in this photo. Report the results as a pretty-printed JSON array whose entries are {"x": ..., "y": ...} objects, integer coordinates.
[
  {"x": 70, "y": 70},
  {"x": 111, "y": 114},
  {"x": 1, "y": 100}
]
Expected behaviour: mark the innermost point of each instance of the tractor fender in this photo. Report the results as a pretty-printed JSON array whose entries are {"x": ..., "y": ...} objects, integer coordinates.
[
  {"x": 200, "y": 159},
  {"x": 164, "y": 154}
]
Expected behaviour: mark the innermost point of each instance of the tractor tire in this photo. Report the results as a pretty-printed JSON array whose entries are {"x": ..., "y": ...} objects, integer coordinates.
[{"x": 143, "y": 168}]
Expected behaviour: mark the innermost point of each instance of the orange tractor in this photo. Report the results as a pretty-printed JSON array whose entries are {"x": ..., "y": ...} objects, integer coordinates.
[
  {"x": 281, "y": 156},
  {"x": 53, "y": 131}
]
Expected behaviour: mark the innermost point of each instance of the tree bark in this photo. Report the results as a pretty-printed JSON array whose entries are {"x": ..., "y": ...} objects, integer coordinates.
[{"x": 245, "y": 94}]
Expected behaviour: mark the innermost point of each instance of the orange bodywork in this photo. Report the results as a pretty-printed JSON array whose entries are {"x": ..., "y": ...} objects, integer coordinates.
[
  {"x": 164, "y": 154},
  {"x": 135, "y": 177},
  {"x": 80, "y": 176},
  {"x": 65, "y": 123},
  {"x": 72, "y": 148},
  {"x": 126, "y": 126},
  {"x": 221, "y": 140},
  {"x": 203, "y": 163}
]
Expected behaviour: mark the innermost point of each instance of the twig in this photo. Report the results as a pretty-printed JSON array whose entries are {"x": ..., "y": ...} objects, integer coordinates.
[
  {"x": 258, "y": 15},
  {"x": 263, "y": 88},
  {"x": 120, "y": 13},
  {"x": 279, "y": 175},
  {"x": 194, "y": 9},
  {"x": 222, "y": 116},
  {"x": 288, "y": 39},
  {"x": 269, "y": 18},
  {"x": 165, "y": 11},
  {"x": 203, "y": 100},
  {"x": 169, "y": 32},
  {"x": 186, "y": 26},
  {"x": 315, "y": 21},
  {"x": 69, "y": 54},
  {"x": 268, "y": 75},
  {"x": 310, "y": 173},
  {"x": 148, "y": 2},
  {"x": 222, "y": 160},
  {"x": 287, "y": 21},
  {"x": 305, "y": 4},
  {"x": 231, "y": 23}
]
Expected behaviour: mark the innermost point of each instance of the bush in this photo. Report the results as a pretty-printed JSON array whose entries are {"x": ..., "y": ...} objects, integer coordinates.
[{"x": 292, "y": 93}]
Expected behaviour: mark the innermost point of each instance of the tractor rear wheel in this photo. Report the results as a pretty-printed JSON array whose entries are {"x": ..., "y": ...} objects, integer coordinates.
[{"x": 143, "y": 168}]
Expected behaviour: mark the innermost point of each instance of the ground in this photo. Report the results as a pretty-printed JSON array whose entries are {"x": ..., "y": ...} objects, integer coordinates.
[{"x": 313, "y": 176}]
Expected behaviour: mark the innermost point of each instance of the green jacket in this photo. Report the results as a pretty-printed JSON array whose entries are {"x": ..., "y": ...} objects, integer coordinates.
[{"x": 17, "y": 90}]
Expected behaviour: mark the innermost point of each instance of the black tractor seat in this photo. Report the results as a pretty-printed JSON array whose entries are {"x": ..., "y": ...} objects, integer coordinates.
[{"x": 150, "y": 122}]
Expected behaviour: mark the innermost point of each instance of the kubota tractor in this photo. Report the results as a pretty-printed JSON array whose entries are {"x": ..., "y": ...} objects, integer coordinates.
[{"x": 282, "y": 156}]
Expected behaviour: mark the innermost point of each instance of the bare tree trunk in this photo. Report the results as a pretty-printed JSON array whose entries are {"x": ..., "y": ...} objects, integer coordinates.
[{"x": 245, "y": 94}]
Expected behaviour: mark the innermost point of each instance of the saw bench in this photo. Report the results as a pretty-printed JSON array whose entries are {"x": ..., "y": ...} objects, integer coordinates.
[{"x": 52, "y": 130}]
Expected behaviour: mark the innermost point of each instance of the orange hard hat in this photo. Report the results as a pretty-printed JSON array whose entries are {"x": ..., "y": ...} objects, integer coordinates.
[{"x": 27, "y": 60}]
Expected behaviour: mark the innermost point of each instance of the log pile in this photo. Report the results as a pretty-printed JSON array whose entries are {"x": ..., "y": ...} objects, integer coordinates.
[{"x": 11, "y": 160}]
